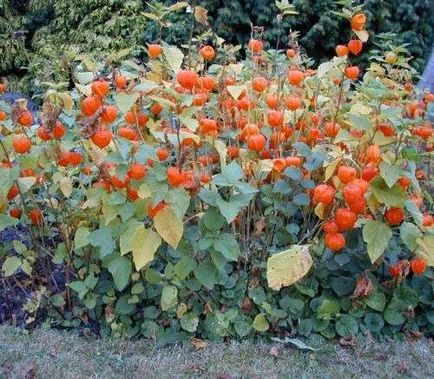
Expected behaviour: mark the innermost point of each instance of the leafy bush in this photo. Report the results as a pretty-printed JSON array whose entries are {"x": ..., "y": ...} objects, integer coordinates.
[{"x": 198, "y": 195}]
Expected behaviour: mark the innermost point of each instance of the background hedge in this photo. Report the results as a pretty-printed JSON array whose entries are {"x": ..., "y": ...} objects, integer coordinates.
[{"x": 40, "y": 37}]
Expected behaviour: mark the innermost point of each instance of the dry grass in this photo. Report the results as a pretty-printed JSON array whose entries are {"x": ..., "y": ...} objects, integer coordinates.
[{"x": 57, "y": 354}]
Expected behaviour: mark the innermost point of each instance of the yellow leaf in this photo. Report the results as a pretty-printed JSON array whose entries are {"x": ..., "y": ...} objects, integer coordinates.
[
  {"x": 331, "y": 168},
  {"x": 236, "y": 91},
  {"x": 260, "y": 323},
  {"x": 85, "y": 90},
  {"x": 222, "y": 151},
  {"x": 191, "y": 123},
  {"x": 182, "y": 308},
  {"x": 177, "y": 6},
  {"x": 201, "y": 15},
  {"x": 168, "y": 226},
  {"x": 88, "y": 62},
  {"x": 145, "y": 244},
  {"x": 174, "y": 57},
  {"x": 68, "y": 103},
  {"x": 319, "y": 210},
  {"x": 426, "y": 249},
  {"x": 287, "y": 267},
  {"x": 360, "y": 108},
  {"x": 183, "y": 134},
  {"x": 26, "y": 183},
  {"x": 363, "y": 35},
  {"x": 66, "y": 186},
  {"x": 263, "y": 168}
]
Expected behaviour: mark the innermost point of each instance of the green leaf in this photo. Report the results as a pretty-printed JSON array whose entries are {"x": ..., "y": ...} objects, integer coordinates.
[
  {"x": 8, "y": 177},
  {"x": 6, "y": 221},
  {"x": 359, "y": 121},
  {"x": 376, "y": 300},
  {"x": 120, "y": 268},
  {"x": 212, "y": 219},
  {"x": 189, "y": 322},
  {"x": 79, "y": 287},
  {"x": 243, "y": 326},
  {"x": 169, "y": 298},
  {"x": 301, "y": 199},
  {"x": 145, "y": 86},
  {"x": 229, "y": 209},
  {"x": 230, "y": 175},
  {"x": 374, "y": 322},
  {"x": 207, "y": 274},
  {"x": 11, "y": 265},
  {"x": 85, "y": 77},
  {"x": 179, "y": 200},
  {"x": 394, "y": 315},
  {"x": 391, "y": 197},
  {"x": 328, "y": 309},
  {"x": 81, "y": 237},
  {"x": 409, "y": 233},
  {"x": 347, "y": 326},
  {"x": 125, "y": 101},
  {"x": 377, "y": 235},
  {"x": 260, "y": 323},
  {"x": 102, "y": 238},
  {"x": 390, "y": 173},
  {"x": 414, "y": 211},
  {"x": 426, "y": 249},
  {"x": 228, "y": 246},
  {"x": 184, "y": 267}
]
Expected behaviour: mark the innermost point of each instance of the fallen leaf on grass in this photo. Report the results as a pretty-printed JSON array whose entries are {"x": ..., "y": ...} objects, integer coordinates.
[
  {"x": 198, "y": 343},
  {"x": 275, "y": 350},
  {"x": 299, "y": 344},
  {"x": 348, "y": 341}
]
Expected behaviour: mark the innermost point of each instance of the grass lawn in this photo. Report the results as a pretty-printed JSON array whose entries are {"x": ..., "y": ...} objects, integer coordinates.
[{"x": 57, "y": 354}]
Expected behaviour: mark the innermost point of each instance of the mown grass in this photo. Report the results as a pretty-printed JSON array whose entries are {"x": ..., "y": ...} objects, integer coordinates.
[{"x": 56, "y": 354}]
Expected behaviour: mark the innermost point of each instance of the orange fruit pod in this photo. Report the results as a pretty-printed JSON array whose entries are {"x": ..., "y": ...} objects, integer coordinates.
[
  {"x": 418, "y": 266},
  {"x": 394, "y": 216},
  {"x": 256, "y": 142},
  {"x": 345, "y": 218},
  {"x": 186, "y": 78},
  {"x": 341, "y": 50},
  {"x": 255, "y": 46},
  {"x": 102, "y": 138},
  {"x": 100, "y": 87},
  {"x": 355, "y": 46},
  {"x": 334, "y": 241},
  {"x": 137, "y": 171},
  {"x": 21, "y": 145},
  {"x": 154, "y": 50},
  {"x": 25, "y": 118},
  {"x": 358, "y": 21},
  {"x": 259, "y": 84},
  {"x": 295, "y": 77},
  {"x": 90, "y": 105},
  {"x": 207, "y": 53},
  {"x": 324, "y": 193},
  {"x": 352, "y": 72}
]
